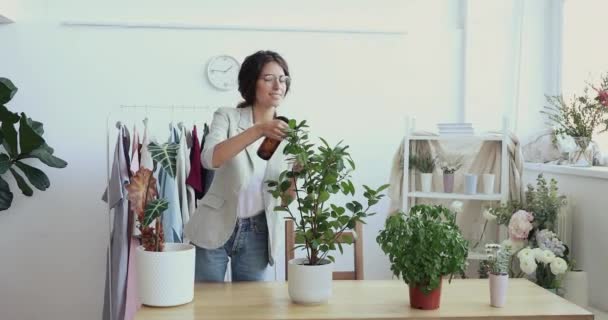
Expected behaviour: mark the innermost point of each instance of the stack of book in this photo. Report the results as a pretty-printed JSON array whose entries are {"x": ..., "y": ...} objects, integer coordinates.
[{"x": 455, "y": 129}]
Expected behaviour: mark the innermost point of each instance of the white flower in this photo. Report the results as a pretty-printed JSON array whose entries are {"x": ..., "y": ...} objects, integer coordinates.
[
  {"x": 537, "y": 253},
  {"x": 456, "y": 206},
  {"x": 527, "y": 265},
  {"x": 547, "y": 256},
  {"x": 525, "y": 253},
  {"x": 558, "y": 266},
  {"x": 488, "y": 215},
  {"x": 565, "y": 143}
]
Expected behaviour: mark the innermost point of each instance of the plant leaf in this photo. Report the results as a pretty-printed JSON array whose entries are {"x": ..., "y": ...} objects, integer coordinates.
[
  {"x": 29, "y": 140},
  {"x": 5, "y": 163},
  {"x": 154, "y": 209},
  {"x": 166, "y": 155},
  {"x": 6, "y": 196},
  {"x": 36, "y": 126},
  {"x": 8, "y": 130},
  {"x": 7, "y": 90},
  {"x": 36, "y": 177},
  {"x": 45, "y": 154},
  {"x": 141, "y": 183},
  {"x": 25, "y": 188}
]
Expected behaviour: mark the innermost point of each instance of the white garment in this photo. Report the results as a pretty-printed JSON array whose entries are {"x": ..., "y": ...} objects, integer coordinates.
[
  {"x": 146, "y": 156},
  {"x": 251, "y": 200},
  {"x": 183, "y": 169}
]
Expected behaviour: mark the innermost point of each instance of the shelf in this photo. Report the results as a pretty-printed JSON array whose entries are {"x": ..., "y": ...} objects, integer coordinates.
[
  {"x": 5, "y": 20},
  {"x": 474, "y": 137},
  {"x": 455, "y": 196}
]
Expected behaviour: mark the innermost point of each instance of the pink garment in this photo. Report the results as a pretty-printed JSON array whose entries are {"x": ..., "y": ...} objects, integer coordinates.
[{"x": 132, "y": 301}]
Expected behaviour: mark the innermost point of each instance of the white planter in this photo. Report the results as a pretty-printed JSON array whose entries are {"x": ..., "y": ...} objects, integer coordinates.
[
  {"x": 309, "y": 284},
  {"x": 166, "y": 278},
  {"x": 470, "y": 184},
  {"x": 426, "y": 180},
  {"x": 488, "y": 183},
  {"x": 575, "y": 287},
  {"x": 498, "y": 289}
]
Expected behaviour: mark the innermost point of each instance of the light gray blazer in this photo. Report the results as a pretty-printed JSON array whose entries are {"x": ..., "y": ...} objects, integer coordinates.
[{"x": 212, "y": 223}]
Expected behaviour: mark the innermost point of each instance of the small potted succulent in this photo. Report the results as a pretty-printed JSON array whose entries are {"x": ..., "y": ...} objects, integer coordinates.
[
  {"x": 497, "y": 263},
  {"x": 318, "y": 175},
  {"x": 450, "y": 163},
  {"x": 424, "y": 246}
]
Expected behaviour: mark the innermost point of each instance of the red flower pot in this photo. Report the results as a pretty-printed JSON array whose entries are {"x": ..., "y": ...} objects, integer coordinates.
[{"x": 430, "y": 301}]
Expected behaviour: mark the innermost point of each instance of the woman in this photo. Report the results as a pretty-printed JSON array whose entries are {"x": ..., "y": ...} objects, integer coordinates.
[{"x": 236, "y": 218}]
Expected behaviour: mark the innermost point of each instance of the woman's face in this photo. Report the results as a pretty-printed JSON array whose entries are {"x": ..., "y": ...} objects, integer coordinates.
[{"x": 271, "y": 85}]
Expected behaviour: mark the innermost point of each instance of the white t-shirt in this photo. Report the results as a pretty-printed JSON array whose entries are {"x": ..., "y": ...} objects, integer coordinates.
[{"x": 251, "y": 200}]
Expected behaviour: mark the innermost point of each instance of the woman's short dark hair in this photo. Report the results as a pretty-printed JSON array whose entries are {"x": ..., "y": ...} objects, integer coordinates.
[{"x": 250, "y": 72}]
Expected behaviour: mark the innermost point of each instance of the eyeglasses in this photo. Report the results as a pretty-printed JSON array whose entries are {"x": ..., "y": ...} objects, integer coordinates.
[{"x": 270, "y": 78}]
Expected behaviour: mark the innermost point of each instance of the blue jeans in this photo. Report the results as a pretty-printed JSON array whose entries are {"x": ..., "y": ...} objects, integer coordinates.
[{"x": 247, "y": 247}]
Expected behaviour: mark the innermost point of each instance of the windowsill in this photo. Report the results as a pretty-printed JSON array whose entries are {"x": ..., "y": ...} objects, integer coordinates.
[{"x": 588, "y": 172}]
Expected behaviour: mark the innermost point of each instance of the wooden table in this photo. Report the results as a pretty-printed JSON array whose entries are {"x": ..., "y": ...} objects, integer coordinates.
[{"x": 368, "y": 299}]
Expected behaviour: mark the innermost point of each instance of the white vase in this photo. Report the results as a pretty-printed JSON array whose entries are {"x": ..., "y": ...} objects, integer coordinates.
[
  {"x": 575, "y": 287},
  {"x": 488, "y": 183},
  {"x": 470, "y": 184},
  {"x": 165, "y": 278},
  {"x": 426, "y": 180},
  {"x": 309, "y": 284},
  {"x": 498, "y": 289}
]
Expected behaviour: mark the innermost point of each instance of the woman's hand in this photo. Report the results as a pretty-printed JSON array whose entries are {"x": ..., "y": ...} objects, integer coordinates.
[{"x": 274, "y": 129}]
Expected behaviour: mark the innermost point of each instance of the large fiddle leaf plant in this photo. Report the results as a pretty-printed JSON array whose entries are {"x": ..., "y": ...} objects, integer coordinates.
[
  {"x": 21, "y": 138},
  {"x": 319, "y": 174}
]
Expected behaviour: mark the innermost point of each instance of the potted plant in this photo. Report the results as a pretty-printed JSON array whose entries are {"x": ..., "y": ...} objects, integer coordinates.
[
  {"x": 425, "y": 163},
  {"x": 165, "y": 271},
  {"x": 497, "y": 263},
  {"x": 578, "y": 120},
  {"x": 423, "y": 247},
  {"x": 450, "y": 163},
  {"x": 319, "y": 175},
  {"x": 20, "y": 144}
]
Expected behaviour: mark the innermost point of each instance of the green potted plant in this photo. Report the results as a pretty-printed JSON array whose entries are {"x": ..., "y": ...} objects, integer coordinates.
[
  {"x": 425, "y": 163},
  {"x": 497, "y": 262},
  {"x": 450, "y": 163},
  {"x": 20, "y": 144},
  {"x": 320, "y": 174},
  {"x": 165, "y": 271},
  {"x": 423, "y": 247}
]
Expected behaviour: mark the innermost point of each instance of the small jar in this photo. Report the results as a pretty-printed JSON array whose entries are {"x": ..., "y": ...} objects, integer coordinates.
[{"x": 268, "y": 146}]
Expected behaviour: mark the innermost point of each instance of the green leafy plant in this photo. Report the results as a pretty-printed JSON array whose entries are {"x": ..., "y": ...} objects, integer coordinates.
[
  {"x": 318, "y": 175},
  {"x": 20, "y": 144},
  {"x": 450, "y": 163},
  {"x": 424, "y": 246},
  {"x": 143, "y": 196},
  {"x": 498, "y": 259},
  {"x": 424, "y": 162},
  {"x": 543, "y": 201}
]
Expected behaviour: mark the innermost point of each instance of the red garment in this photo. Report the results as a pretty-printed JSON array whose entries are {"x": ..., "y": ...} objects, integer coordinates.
[{"x": 195, "y": 178}]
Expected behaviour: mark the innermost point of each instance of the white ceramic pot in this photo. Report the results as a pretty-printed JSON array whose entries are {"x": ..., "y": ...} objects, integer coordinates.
[
  {"x": 498, "y": 289},
  {"x": 575, "y": 287},
  {"x": 165, "y": 278},
  {"x": 488, "y": 183},
  {"x": 426, "y": 180},
  {"x": 309, "y": 284},
  {"x": 470, "y": 184}
]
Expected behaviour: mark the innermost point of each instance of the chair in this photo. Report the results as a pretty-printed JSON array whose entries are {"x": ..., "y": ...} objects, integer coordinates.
[{"x": 357, "y": 274}]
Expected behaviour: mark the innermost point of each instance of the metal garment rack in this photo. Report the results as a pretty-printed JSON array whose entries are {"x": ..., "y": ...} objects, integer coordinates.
[{"x": 113, "y": 113}]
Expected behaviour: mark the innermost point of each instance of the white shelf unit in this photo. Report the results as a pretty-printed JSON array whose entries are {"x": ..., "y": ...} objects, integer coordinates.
[{"x": 409, "y": 192}]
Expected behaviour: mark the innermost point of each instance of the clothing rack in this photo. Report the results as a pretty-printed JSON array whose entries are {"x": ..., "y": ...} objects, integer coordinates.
[{"x": 111, "y": 117}]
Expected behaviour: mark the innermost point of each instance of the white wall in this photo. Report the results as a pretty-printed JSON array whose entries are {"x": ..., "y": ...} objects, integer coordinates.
[
  {"x": 352, "y": 87},
  {"x": 589, "y": 221}
]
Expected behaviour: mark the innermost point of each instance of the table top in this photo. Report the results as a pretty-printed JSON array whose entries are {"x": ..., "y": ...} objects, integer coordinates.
[{"x": 367, "y": 299}]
